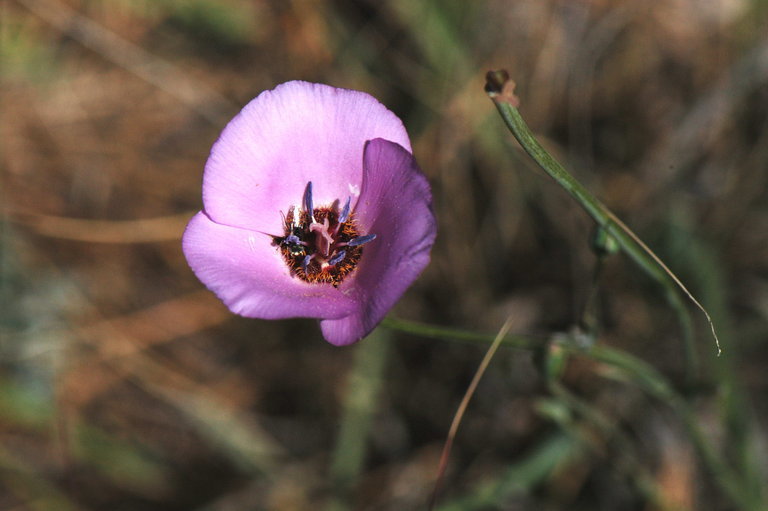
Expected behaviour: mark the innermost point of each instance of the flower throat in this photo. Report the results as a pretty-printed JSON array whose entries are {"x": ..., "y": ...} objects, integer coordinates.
[{"x": 321, "y": 245}]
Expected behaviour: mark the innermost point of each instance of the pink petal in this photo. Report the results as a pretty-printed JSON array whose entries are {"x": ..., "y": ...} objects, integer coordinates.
[
  {"x": 284, "y": 138},
  {"x": 395, "y": 204},
  {"x": 248, "y": 274}
]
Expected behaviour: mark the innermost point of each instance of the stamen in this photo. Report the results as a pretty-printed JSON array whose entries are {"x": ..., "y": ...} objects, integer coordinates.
[
  {"x": 323, "y": 245},
  {"x": 345, "y": 212},
  {"x": 308, "y": 205},
  {"x": 339, "y": 257},
  {"x": 305, "y": 262},
  {"x": 361, "y": 240}
]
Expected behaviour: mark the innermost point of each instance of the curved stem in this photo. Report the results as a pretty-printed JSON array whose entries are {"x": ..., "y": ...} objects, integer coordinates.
[
  {"x": 627, "y": 367},
  {"x": 501, "y": 90}
]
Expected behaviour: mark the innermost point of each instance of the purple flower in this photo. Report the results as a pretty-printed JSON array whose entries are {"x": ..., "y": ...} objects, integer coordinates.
[{"x": 313, "y": 206}]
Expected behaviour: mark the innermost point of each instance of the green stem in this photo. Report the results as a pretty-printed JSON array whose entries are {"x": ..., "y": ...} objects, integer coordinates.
[
  {"x": 448, "y": 333},
  {"x": 500, "y": 90},
  {"x": 626, "y": 368}
]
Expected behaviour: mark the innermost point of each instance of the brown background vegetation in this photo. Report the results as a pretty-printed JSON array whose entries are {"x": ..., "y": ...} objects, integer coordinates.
[{"x": 124, "y": 385}]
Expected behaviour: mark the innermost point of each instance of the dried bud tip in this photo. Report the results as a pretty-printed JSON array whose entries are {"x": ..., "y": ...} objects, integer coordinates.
[
  {"x": 495, "y": 80},
  {"x": 500, "y": 88}
]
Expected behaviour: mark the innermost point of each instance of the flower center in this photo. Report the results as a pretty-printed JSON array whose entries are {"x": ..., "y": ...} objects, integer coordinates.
[{"x": 321, "y": 245}]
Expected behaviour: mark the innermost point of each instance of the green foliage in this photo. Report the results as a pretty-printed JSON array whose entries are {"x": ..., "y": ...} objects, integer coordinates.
[
  {"x": 124, "y": 384},
  {"x": 25, "y": 52}
]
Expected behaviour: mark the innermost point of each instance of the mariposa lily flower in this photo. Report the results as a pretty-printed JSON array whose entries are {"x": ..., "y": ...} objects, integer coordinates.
[{"x": 313, "y": 206}]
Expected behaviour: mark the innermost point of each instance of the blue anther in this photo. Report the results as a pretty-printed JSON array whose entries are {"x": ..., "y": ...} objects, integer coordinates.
[
  {"x": 305, "y": 263},
  {"x": 339, "y": 257},
  {"x": 292, "y": 238},
  {"x": 308, "y": 205},
  {"x": 345, "y": 212},
  {"x": 361, "y": 240}
]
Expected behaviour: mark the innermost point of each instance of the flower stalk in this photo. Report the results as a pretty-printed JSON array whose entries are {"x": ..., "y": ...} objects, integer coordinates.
[{"x": 501, "y": 90}]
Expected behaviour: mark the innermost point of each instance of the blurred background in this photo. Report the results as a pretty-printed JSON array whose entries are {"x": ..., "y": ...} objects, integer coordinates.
[{"x": 125, "y": 385}]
